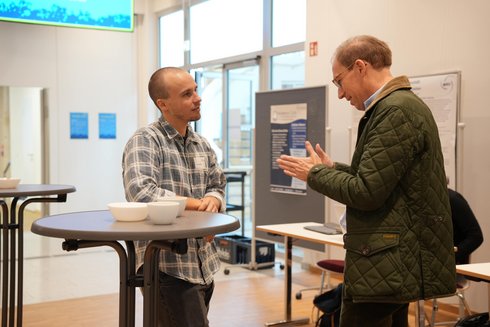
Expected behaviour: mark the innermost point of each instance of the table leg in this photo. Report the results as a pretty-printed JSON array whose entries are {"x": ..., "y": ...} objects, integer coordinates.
[
  {"x": 13, "y": 227},
  {"x": 125, "y": 313},
  {"x": 5, "y": 260},
  {"x": 420, "y": 313},
  {"x": 17, "y": 229},
  {"x": 288, "y": 258},
  {"x": 132, "y": 283},
  {"x": 488, "y": 303}
]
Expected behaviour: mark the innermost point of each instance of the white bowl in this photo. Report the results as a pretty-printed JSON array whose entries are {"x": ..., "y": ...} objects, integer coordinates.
[
  {"x": 163, "y": 213},
  {"x": 182, "y": 200},
  {"x": 9, "y": 182},
  {"x": 128, "y": 211}
]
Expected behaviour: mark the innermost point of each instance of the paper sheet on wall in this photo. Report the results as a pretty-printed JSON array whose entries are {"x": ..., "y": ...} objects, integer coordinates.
[
  {"x": 288, "y": 136},
  {"x": 440, "y": 93}
]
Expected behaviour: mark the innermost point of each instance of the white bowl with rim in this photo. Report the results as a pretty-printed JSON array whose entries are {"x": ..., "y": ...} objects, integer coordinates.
[
  {"x": 6, "y": 182},
  {"x": 163, "y": 212},
  {"x": 182, "y": 200},
  {"x": 128, "y": 211}
]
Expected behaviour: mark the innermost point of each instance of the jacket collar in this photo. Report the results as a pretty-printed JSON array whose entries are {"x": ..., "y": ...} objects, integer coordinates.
[{"x": 397, "y": 83}]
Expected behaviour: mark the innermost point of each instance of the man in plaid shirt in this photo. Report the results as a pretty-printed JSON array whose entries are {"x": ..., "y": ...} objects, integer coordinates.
[{"x": 168, "y": 158}]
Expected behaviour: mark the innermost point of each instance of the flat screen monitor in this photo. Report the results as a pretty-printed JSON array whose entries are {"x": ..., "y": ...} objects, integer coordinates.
[{"x": 96, "y": 14}]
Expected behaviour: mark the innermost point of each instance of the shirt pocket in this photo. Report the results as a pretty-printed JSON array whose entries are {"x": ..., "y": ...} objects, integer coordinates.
[{"x": 373, "y": 263}]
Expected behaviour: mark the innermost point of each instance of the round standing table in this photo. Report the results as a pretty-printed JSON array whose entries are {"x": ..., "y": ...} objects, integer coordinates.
[
  {"x": 30, "y": 193},
  {"x": 98, "y": 228}
]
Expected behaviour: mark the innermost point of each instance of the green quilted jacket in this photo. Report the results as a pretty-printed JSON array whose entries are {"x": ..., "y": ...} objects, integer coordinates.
[{"x": 398, "y": 243}]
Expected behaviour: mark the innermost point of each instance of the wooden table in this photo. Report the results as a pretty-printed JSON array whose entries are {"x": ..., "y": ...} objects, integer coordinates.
[
  {"x": 98, "y": 228},
  {"x": 477, "y": 272},
  {"x": 13, "y": 241}
]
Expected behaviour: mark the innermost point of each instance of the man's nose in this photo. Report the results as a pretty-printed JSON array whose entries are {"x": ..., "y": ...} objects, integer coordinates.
[{"x": 340, "y": 93}]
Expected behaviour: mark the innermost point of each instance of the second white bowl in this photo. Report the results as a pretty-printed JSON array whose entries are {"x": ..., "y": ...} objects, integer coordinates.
[
  {"x": 182, "y": 200},
  {"x": 163, "y": 213}
]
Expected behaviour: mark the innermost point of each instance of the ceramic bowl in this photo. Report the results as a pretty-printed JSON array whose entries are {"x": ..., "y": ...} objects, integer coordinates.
[
  {"x": 128, "y": 211},
  {"x": 182, "y": 200},
  {"x": 9, "y": 182},
  {"x": 163, "y": 213}
]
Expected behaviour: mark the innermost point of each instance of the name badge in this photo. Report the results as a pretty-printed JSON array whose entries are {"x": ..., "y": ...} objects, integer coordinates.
[{"x": 200, "y": 162}]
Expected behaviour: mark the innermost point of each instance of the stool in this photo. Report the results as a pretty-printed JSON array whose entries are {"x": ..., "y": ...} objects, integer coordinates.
[
  {"x": 327, "y": 266},
  {"x": 462, "y": 285}
]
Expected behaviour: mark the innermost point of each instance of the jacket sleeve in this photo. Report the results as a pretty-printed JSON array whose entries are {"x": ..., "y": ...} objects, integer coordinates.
[{"x": 392, "y": 142}]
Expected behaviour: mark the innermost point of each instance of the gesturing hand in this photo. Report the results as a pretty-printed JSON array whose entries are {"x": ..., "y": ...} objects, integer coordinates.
[{"x": 299, "y": 167}]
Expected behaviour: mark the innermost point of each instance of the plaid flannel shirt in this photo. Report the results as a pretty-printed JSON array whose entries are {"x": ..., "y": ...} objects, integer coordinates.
[{"x": 158, "y": 162}]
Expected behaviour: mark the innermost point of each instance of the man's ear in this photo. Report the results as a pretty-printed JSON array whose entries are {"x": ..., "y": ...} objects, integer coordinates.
[{"x": 162, "y": 106}]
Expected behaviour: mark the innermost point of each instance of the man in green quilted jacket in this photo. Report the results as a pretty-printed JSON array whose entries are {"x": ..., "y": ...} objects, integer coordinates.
[{"x": 398, "y": 242}]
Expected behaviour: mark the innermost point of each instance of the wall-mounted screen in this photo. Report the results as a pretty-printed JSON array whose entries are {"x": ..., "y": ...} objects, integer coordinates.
[{"x": 98, "y": 14}]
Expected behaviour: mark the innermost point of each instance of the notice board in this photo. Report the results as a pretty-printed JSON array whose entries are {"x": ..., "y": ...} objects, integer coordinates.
[{"x": 283, "y": 120}]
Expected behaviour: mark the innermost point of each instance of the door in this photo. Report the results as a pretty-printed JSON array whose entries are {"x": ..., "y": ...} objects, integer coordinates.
[{"x": 227, "y": 121}]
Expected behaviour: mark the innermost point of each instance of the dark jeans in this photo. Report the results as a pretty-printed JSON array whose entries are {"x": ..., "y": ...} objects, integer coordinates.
[
  {"x": 373, "y": 314},
  {"x": 183, "y": 304}
]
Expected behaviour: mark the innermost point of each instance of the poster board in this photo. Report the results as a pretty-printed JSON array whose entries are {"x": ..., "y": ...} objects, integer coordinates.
[{"x": 287, "y": 206}]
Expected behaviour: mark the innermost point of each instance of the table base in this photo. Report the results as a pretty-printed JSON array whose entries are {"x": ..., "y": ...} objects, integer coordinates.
[{"x": 295, "y": 322}]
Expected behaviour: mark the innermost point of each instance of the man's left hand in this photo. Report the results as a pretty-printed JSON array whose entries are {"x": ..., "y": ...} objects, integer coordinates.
[{"x": 210, "y": 204}]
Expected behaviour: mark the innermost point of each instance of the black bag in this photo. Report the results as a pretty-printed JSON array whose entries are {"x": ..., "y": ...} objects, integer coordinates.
[
  {"x": 476, "y": 320},
  {"x": 329, "y": 303}
]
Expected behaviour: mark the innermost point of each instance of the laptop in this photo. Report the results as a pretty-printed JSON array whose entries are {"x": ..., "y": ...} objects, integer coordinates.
[{"x": 327, "y": 228}]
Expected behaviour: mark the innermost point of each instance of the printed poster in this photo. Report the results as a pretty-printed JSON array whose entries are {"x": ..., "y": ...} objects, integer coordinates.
[{"x": 288, "y": 136}]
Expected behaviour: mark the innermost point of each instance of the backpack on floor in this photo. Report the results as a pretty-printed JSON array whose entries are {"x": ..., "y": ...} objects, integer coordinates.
[
  {"x": 476, "y": 320},
  {"x": 329, "y": 303}
]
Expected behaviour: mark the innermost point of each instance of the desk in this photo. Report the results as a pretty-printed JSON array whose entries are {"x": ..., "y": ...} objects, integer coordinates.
[
  {"x": 13, "y": 250},
  {"x": 476, "y": 272},
  {"x": 297, "y": 231},
  {"x": 290, "y": 232},
  {"x": 98, "y": 228}
]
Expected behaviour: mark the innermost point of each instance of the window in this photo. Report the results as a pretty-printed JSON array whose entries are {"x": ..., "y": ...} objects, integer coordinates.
[
  {"x": 288, "y": 22},
  {"x": 172, "y": 39},
  {"x": 288, "y": 70},
  {"x": 224, "y": 28},
  {"x": 227, "y": 55}
]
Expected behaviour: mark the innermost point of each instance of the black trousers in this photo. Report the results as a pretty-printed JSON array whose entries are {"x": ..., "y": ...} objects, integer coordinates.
[
  {"x": 373, "y": 314},
  {"x": 183, "y": 304}
]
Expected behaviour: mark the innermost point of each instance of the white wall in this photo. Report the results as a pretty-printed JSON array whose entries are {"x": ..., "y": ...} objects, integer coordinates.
[
  {"x": 84, "y": 70},
  {"x": 426, "y": 37}
]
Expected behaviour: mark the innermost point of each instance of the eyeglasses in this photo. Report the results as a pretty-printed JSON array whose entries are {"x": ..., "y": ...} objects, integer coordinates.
[{"x": 338, "y": 81}]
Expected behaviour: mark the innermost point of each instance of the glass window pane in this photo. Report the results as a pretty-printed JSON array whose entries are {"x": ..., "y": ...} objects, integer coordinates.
[
  {"x": 224, "y": 28},
  {"x": 242, "y": 85},
  {"x": 209, "y": 82},
  {"x": 288, "y": 70},
  {"x": 172, "y": 39},
  {"x": 288, "y": 22}
]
